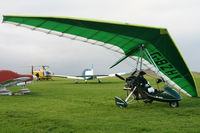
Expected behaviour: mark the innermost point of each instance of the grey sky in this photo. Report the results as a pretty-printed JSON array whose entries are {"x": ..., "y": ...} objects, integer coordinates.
[{"x": 20, "y": 48}]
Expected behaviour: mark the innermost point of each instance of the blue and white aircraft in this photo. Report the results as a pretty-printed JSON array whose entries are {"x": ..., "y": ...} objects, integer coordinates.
[{"x": 88, "y": 74}]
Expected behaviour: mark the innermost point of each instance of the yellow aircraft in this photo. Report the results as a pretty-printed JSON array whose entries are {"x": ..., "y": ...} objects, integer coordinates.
[{"x": 42, "y": 73}]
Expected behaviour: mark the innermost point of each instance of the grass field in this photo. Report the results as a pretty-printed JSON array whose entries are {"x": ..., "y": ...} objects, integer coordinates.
[{"x": 60, "y": 106}]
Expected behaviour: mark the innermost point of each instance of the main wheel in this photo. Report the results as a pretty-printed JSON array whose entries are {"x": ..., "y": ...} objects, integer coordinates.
[{"x": 174, "y": 104}]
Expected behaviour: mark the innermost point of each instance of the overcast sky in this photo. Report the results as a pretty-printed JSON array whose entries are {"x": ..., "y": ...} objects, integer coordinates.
[{"x": 20, "y": 48}]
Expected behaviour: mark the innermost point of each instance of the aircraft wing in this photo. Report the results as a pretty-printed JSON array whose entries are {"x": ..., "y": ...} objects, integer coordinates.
[
  {"x": 14, "y": 82},
  {"x": 70, "y": 77},
  {"x": 112, "y": 75},
  {"x": 122, "y": 38},
  {"x": 90, "y": 76}
]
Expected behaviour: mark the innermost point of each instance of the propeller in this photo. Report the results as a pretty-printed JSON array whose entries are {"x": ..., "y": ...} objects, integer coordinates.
[{"x": 120, "y": 77}]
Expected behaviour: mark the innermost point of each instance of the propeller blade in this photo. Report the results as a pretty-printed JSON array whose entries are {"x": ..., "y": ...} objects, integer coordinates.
[{"x": 120, "y": 77}]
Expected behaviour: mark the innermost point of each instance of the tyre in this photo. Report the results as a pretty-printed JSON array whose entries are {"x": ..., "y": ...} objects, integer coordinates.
[{"x": 174, "y": 104}]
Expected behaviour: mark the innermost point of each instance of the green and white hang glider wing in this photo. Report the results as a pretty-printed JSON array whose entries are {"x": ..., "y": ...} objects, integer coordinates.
[{"x": 122, "y": 38}]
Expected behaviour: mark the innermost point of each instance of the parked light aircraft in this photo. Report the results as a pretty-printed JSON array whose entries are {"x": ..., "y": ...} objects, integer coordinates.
[
  {"x": 11, "y": 79},
  {"x": 88, "y": 74},
  {"x": 43, "y": 73}
]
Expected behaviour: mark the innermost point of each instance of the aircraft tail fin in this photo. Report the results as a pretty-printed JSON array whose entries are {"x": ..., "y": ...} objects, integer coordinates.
[{"x": 92, "y": 66}]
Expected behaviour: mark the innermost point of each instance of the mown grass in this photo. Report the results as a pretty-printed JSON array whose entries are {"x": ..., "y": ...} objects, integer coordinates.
[{"x": 60, "y": 106}]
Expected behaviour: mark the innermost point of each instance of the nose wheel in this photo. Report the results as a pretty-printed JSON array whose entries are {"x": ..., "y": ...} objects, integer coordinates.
[{"x": 120, "y": 102}]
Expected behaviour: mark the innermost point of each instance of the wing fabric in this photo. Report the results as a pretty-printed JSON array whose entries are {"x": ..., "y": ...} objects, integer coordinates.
[{"x": 119, "y": 37}]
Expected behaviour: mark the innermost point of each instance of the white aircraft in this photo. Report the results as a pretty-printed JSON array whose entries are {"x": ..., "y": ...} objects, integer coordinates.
[{"x": 88, "y": 74}]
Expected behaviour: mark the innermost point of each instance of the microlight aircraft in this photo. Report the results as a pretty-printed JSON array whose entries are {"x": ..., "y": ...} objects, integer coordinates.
[
  {"x": 141, "y": 90},
  {"x": 123, "y": 38},
  {"x": 88, "y": 74},
  {"x": 11, "y": 79}
]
